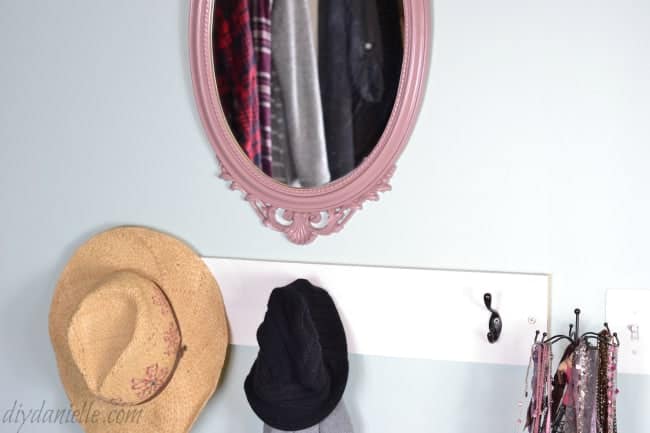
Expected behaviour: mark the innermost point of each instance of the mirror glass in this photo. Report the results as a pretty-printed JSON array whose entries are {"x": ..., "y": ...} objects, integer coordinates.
[{"x": 307, "y": 86}]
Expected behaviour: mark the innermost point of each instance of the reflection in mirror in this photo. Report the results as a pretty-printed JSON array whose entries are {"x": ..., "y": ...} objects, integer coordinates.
[{"x": 307, "y": 86}]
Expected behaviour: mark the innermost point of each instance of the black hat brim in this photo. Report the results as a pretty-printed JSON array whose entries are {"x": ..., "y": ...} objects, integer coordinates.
[{"x": 290, "y": 418}]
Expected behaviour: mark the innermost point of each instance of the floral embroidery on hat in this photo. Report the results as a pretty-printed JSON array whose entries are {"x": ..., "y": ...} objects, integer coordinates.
[
  {"x": 160, "y": 300},
  {"x": 173, "y": 338},
  {"x": 147, "y": 386}
]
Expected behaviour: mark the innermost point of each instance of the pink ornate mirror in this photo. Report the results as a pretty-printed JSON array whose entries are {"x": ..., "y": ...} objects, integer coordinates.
[{"x": 309, "y": 103}]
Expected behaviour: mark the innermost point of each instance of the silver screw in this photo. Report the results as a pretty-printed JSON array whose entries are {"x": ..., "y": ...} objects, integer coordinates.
[{"x": 532, "y": 320}]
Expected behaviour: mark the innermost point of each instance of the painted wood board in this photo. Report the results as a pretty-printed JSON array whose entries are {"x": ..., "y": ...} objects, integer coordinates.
[{"x": 399, "y": 312}]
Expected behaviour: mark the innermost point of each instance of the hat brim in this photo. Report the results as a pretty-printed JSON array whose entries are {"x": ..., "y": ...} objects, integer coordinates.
[
  {"x": 336, "y": 422},
  {"x": 197, "y": 303},
  {"x": 289, "y": 418}
]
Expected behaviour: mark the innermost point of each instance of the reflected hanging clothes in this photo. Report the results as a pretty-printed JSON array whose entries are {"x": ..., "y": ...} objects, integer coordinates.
[
  {"x": 262, "y": 36},
  {"x": 236, "y": 74},
  {"x": 283, "y": 167},
  {"x": 300, "y": 137},
  {"x": 360, "y": 59}
]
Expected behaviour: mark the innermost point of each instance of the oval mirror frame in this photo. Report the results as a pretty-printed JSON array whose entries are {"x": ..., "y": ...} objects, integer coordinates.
[{"x": 303, "y": 214}]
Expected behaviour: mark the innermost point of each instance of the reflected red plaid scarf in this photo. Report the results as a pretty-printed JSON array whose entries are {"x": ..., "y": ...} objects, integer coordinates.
[{"x": 234, "y": 64}]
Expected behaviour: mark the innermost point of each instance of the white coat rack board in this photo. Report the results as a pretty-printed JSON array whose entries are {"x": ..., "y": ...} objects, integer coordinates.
[{"x": 399, "y": 312}]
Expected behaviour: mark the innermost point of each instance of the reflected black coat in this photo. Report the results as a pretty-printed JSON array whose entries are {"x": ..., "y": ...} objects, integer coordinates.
[{"x": 360, "y": 58}]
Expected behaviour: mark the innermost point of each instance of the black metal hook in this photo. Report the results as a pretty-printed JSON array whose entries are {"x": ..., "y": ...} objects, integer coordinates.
[
  {"x": 606, "y": 325},
  {"x": 577, "y": 313},
  {"x": 496, "y": 324}
]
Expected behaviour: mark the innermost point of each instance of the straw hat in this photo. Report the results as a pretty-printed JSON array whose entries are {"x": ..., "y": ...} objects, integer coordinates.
[{"x": 139, "y": 327}]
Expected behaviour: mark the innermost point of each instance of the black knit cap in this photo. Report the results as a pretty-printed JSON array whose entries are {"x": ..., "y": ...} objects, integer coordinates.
[{"x": 301, "y": 369}]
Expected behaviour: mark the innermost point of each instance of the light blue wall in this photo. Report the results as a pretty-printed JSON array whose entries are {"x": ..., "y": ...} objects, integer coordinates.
[{"x": 531, "y": 155}]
